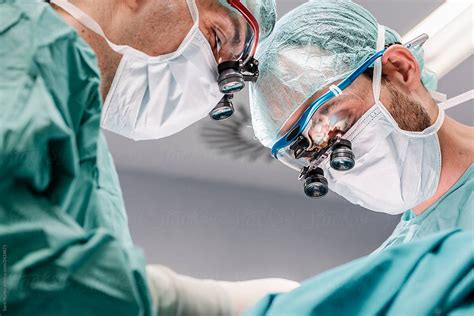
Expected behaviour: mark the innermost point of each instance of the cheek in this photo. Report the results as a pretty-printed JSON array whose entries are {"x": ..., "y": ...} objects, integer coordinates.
[
  {"x": 162, "y": 34},
  {"x": 353, "y": 110},
  {"x": 408, "y": 114}
]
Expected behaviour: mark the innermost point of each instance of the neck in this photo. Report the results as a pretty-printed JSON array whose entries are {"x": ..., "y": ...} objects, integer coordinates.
[
  {"x": 108, "y": 60},
  {"x": 457, "y": 156}
]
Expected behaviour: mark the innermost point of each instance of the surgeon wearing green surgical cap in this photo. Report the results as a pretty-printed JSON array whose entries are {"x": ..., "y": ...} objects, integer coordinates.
[
  {"x": 66, "y": 245},
  {"x": 409, "y": 156}
]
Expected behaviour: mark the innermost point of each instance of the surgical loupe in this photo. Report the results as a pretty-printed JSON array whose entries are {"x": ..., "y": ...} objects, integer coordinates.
[
  {"x": 341, "y": 158},
  {"x": 234, "y": 73}
]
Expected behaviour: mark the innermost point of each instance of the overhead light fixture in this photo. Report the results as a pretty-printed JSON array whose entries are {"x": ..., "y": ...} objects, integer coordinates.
[{"x": 451, "y": 31}]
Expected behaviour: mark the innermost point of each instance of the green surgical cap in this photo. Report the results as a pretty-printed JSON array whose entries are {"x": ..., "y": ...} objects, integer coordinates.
[
  {"x": 311, "y": 47},
  {"x": 264, "y": 11}
]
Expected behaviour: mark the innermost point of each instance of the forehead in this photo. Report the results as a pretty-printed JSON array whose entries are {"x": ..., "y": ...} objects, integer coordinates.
[{"x": 290, "y": 75}]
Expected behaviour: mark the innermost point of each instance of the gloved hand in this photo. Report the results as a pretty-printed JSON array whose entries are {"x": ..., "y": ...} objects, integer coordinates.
[
  {"x": 179, "y": 295},
  {"x": 245, "y": 294}
]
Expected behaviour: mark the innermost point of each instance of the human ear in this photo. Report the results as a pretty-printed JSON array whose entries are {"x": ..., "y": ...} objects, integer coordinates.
[{"x": 401, "y": 68}]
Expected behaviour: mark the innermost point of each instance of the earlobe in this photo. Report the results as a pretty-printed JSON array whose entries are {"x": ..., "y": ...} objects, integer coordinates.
[{"x": 400, "y": 66}]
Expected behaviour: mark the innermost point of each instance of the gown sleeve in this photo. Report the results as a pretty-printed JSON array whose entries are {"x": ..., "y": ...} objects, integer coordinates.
[{"x": 430, "y": 276}]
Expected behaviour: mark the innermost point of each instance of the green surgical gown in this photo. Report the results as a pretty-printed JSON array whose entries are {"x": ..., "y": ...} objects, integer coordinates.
[
  {"x": 64, "y": 235},
  {"x": 430, "y": 276}
]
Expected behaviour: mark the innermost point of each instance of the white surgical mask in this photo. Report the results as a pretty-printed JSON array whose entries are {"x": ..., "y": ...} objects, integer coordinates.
[
  {"x": 395, "y": 169},
  {"x": 154, "y": 97}
]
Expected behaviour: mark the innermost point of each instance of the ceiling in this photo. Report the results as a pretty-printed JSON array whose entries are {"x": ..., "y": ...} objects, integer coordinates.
[{"x": 228, "y": 153}]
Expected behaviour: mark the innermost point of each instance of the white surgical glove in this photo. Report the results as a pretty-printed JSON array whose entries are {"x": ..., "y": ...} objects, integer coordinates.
[
  {"x": 245, "y": 294},
  {"x": 179, "y": 295}
]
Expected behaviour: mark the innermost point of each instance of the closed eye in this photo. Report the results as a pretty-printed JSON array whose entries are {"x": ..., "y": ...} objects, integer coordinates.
[{"x": 218, "y": 44}]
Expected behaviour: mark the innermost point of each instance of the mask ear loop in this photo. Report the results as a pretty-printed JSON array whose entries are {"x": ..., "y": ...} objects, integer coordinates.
[
  {"x": 457, "y": 100},
  {"x": 438, "y": 96},
  {"x": 92, "y": 25},
  {"x": 377, "y": 78},
  {"x": 87, "y": 21}
]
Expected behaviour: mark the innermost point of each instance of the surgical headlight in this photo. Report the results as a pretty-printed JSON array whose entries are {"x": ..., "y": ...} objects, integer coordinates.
[{"x": 234, "y": 73}]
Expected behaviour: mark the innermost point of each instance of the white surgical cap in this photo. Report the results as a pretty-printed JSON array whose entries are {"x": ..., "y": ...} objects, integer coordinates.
[{"x": 311, "y": 47}]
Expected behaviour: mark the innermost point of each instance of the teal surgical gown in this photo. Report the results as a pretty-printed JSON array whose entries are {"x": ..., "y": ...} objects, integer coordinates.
[
  {"x": 424, "y": 268},
  {"x": 455, "y": 209},
  {"x": 430, "y": 276},
  {"x": 64, "y": 235}
]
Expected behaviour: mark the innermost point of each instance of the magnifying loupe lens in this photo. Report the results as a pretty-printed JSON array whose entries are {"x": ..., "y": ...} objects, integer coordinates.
[
  {"x": 315, "y": 184},
  {"x": 223, "y": 110},
  {"x": 222, "y": 113},
  {"x": 342, "y": 157},
  {"x": 230, "y": 79},
  {"x": 232, "y": 85}
]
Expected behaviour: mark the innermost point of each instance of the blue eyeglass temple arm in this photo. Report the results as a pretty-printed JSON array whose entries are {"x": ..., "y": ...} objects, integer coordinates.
[{"x": 299, "y": 126}]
